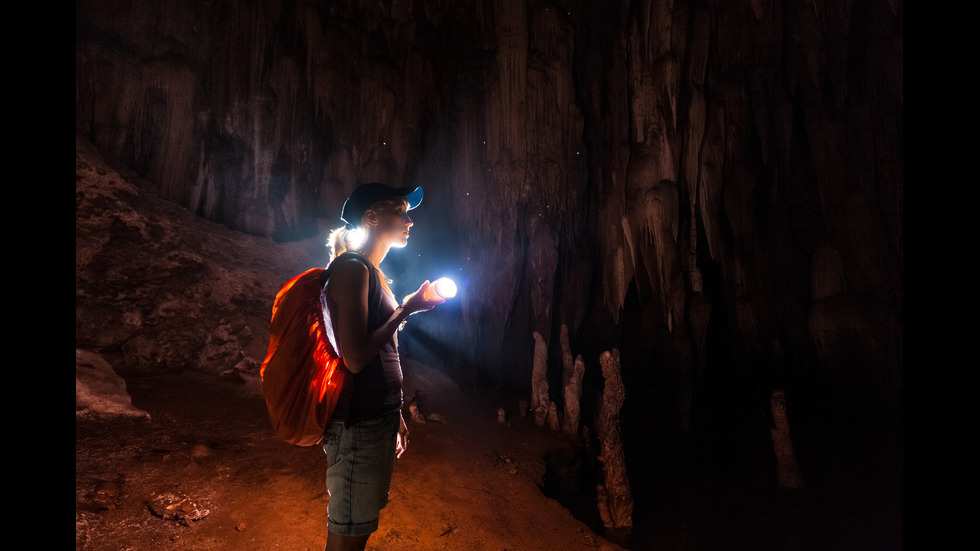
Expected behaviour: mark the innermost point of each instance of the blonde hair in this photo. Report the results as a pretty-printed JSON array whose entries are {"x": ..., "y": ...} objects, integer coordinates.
[{"x": 343, "y": 239}]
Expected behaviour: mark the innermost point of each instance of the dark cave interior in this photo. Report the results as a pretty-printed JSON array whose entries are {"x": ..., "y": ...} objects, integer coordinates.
[{"x": 713, "y": 190}]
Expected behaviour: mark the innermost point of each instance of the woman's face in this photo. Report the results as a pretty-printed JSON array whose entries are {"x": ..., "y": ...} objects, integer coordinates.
[{"x": 392, "y": 224}]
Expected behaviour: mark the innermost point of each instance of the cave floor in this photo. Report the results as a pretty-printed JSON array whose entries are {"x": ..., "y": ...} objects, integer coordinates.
[{"x": 467, "y": 482}]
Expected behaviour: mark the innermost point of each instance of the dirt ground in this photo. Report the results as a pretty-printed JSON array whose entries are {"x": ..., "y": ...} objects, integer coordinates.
[{"x": 207, "y": 474}]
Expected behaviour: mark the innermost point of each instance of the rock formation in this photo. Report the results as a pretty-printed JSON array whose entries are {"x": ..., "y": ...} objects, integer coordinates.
[
  {"x": 129, "y": 314},
  {"x": 573, "y": 395},
  {"x": 540, "y": 399},
  {"x": 787, "y": 468},
  {"x": 567, "y": 359},
  {"x": 573, "y": 153},
  {"x": 554, "y": 422},
  {"x": 614, "y": 496},
  {"x": 100, "y": 392}
]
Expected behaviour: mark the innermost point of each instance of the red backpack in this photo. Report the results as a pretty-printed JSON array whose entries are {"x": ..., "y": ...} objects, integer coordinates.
[{"x": 303, "y": 373}]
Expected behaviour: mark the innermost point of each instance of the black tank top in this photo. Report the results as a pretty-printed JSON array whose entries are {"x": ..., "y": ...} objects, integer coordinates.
[{"x": 377, "y": 389}]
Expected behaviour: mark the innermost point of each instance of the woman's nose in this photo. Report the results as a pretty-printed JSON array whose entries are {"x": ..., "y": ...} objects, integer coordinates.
[{"x": 408, "y": 221}]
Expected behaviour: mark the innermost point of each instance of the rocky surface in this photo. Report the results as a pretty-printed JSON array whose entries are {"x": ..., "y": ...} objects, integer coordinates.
[
  {"x": 99, "y": 391},
  {"x": 602, "y": 165},
  {"x": 159, "y": 289}
]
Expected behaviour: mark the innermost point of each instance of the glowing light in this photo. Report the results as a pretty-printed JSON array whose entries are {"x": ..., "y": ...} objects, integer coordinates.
[
  {"x": 355, "y": 238},
  {"x": 445, "y": 287}
]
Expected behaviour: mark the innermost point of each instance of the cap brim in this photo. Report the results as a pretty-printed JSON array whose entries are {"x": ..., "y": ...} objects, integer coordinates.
[{"x": 414, "y": 198}]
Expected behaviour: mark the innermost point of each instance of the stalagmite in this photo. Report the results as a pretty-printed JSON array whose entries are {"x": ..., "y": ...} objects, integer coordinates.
[
  {"x": 416, "y": 415},
  {"x": 787, "y": 469},
  {"x": 539, "y": 381},
  {"x": 573, "y": 393},
  {"x": 414, "y": 408},
  {"x": 615, "y": 500},
  {"x": 554, "y": 423},
  {"x": 566, "y": 356}
]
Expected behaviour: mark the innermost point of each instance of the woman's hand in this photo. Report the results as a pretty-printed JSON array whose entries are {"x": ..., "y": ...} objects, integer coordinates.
[
  {"x": 401, "y": 441},
  {"x": 416, "y": 301}
]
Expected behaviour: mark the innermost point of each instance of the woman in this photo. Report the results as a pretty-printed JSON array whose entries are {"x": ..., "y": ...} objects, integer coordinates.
[{"x": 368, "y": 431}]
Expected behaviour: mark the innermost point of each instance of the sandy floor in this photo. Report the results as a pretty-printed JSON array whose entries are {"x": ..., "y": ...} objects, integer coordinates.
[{"x": 466, "y": 482}]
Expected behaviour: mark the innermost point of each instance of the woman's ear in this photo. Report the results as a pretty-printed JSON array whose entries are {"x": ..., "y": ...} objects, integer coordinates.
[{"x": 371, "y": 218}]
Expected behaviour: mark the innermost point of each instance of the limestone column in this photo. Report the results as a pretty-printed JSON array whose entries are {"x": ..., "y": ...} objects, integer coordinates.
[
  {"x": 540, "y": 400},
  {"x": 787, "y": 469},
  {"x": 573, "y": 395},
  {"x": 615, "y": 499}
]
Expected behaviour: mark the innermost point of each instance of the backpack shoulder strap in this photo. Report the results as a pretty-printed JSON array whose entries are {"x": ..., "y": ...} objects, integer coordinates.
[
  {"x": 374, "y": 282},
  {"x": 346, "y": 256}
]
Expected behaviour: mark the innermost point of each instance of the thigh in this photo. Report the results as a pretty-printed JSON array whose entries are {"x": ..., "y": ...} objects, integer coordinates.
[
  {"x": 360, "y": 458},
  {"x": 372, "y": 455}
]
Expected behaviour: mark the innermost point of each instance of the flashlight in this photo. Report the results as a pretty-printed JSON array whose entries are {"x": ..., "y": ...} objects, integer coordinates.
[{"x": 441, "y": 288}]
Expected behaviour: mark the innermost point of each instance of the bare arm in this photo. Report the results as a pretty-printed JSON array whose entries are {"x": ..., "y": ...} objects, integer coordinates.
[{"x": 347, "y": 290}]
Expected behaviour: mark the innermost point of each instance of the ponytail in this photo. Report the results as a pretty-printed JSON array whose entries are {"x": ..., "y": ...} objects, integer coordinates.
[{"x": 342, "y": 240}]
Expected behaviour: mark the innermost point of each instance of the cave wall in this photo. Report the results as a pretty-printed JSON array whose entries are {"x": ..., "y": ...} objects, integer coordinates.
[{"x": 713, "y": 188}]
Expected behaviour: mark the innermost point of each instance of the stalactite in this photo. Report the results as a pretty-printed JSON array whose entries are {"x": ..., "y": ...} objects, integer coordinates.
[
  {"x": 175, "y": 86},
  {"x": 655, "y": 163},
  {"x": 709, "y": 192},
  {"x": 618, "y": 270},
  {"x": 615, "y": 499},
  {"x": 512, "y": 52}
]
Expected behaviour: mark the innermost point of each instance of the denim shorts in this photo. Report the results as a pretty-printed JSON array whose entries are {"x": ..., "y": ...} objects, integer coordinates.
[{"x": 360, "y": 458}]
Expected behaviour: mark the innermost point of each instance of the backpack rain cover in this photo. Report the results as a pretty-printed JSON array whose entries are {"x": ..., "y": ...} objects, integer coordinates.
[{"x": 303, "y": 371}]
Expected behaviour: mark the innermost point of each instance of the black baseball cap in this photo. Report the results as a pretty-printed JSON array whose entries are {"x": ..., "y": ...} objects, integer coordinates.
[{"x": 366, "y": 195}]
